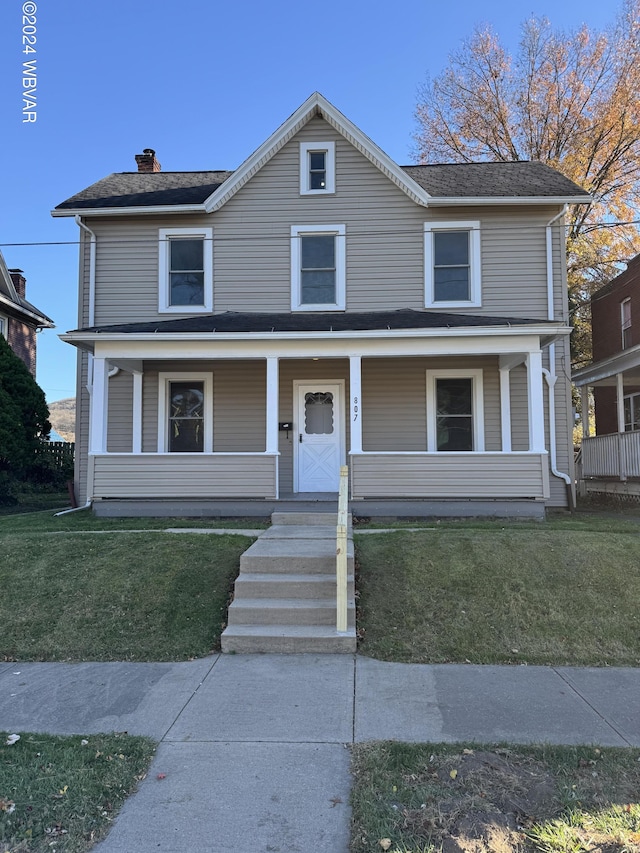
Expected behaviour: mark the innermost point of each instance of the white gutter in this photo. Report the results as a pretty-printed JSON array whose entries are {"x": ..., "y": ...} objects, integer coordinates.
[{"x": 550, "y": 375}]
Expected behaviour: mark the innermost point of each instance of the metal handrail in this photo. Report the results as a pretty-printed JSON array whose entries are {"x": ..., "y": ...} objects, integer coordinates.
[{"x": 341, "y": 550}]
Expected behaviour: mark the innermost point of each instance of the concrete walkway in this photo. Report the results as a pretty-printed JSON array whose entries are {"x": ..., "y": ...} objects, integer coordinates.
[{"x": 253, "y": 747}]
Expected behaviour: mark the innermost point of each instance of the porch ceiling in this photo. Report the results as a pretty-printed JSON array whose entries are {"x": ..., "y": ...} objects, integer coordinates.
[{"x": 604, "y": 372}]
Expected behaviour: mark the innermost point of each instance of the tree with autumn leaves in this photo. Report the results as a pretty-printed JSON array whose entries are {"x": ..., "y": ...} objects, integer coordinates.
[{"x": 571, "y": 100}]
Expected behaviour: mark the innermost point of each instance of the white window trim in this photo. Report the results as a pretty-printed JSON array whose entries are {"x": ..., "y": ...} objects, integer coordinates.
[
  {"x": 478, "y": 407},
  {"x": 164, "y": 291},
  {"x": 475, "y": 275},
  {"x": 624, "y": 322},
  {"x": 307, "y": 148},
  {"x": 339, "y": 231},
  {"x": 4, "y": 326},
  {"x": 163, "y": 408}
]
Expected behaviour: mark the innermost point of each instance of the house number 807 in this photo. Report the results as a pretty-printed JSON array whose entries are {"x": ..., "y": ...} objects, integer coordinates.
[{"x": 355, "y": 408}]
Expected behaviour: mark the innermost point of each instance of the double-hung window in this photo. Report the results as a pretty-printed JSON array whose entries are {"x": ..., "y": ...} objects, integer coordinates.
[
  {"x": 318, "y": 267},
  {"x": 185, "y": 413},
  {"x": 186, "y": 270},
  {"x": 455, "y": 411},
  {"x": 4, "y": 323},
  {"x": 625, "y": 322},
  {"x": 452, "y": 264},
  {"x": 317, "y": 168}
]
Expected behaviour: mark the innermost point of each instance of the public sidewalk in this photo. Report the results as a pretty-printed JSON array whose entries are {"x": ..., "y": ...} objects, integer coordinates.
[{"x": 253, "y": 747}]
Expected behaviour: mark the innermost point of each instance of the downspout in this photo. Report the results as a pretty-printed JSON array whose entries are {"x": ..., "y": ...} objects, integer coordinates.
[
  {"x": 92, "y": 314},
  {"x": 550, "y": 375}
]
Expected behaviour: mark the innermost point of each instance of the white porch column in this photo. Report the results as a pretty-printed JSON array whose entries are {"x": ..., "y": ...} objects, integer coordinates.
[
  {"x": 271, "y": 444},
  {"x": 505, "y": 409},
  {"x": 584, "y": 397},
  {"x": 355, "y": 384},
  {"x": 620, "y": 400},
  {"x": 536, "y": 402},
  {"x": 136, "y": 446},
  {"x": 99, "y": 408}
]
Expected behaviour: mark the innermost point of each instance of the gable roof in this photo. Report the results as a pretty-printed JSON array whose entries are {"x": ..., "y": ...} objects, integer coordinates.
[
  {"x": 469, "y": 183},
  {"x": 15, "y": 304}
]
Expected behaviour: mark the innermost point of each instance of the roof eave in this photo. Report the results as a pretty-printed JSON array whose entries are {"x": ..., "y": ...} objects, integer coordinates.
[
  {"x": 129, "y": 211},
  {"x": 467, "y": 201},
  {"x": 607, "y": 367},
  {"x": 547, "y": 330},
  {"x": 40, "y": 319}
]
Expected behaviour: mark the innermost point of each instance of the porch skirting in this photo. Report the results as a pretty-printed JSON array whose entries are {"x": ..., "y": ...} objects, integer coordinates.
[{"x": 262, "y": 509}]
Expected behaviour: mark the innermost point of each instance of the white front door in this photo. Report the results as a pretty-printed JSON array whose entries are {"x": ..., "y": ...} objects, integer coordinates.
[{"x": 319, "y": 437}]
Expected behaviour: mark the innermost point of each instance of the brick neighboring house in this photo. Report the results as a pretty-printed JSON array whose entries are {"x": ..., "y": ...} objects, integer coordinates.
[
  {"x": 19, "y": 319},
  {"x": 614, "y": 377}
]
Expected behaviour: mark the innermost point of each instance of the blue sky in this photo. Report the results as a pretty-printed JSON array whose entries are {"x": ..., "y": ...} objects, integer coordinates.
[{"x": 203, "y": 84}]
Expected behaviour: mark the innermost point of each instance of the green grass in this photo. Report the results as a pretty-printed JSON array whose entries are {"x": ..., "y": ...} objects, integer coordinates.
[
  {"x": 119, "y": 596},
  {"x": 62, "y": 793},
  {"x": 47, "y": 522},
  {"x": 501, "y": 595},
  {"x": 412, "y": 797}
]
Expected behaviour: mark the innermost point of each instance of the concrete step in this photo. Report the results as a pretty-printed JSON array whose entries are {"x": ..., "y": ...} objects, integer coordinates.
[
  {"x": 286, "y": 611},
  {"x": 306, "y": 519},
  {"x": 285, "y": 585},
  {"x": 290, "y": 639},
  {"x": 296, "y": 531},
  {"x": 293, "y": 555}
]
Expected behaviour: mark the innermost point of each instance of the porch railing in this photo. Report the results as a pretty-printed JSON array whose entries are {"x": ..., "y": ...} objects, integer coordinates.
[
  {"x": 341, "y": 550},
  {"x": 615, "y": 455}
]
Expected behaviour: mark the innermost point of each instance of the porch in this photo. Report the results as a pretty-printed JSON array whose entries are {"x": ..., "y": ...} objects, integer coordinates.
[
  {"x": 609, "y": 462},
  {"x": 435, "y": 423}
]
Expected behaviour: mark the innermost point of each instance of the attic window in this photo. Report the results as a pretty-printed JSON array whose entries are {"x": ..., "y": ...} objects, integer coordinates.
[{"x": 317, "y": 168}]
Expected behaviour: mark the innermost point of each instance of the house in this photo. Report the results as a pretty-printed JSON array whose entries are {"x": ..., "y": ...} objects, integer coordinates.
[
  {"x": 611, "y": 458},
  {"x": 19, "y": 319},
  {"x": 246, "y": 332}
]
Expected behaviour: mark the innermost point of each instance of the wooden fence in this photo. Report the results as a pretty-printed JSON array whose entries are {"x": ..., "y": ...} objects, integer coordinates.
[{"x": 62, "y": 453}]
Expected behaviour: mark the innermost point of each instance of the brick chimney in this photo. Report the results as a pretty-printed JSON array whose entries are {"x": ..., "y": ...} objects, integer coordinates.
[
  {"x": 147, "y": 161},
  {"x": 19, "y": 282}
]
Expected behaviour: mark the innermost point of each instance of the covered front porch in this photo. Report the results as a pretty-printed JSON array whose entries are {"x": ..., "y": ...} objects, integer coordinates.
[
  {"x": 456, "y": 417},
  {"x": 610, "y": 461}
]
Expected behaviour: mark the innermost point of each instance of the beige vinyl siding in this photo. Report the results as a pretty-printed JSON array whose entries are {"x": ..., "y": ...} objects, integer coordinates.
[
  {"x": 384, "y": 244},
  {"x": 394, "y": 401},
  {"x": 519, "y": 408},
  {"x": 181, "y": 475},
  {"x": 239, "y": 402},
  {"x": 449, "y": 476},
  {"x": 120, "y": 420},
  {"x": 564, "y": 426}
]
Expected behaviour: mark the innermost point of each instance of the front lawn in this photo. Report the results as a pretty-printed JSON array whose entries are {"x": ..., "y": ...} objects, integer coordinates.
[
  {"x": 486, "y": 593},
  {"x": 424, "y": 798},
  {"x": 62, "y": 793},
  {"x": 113, "y": 596}
]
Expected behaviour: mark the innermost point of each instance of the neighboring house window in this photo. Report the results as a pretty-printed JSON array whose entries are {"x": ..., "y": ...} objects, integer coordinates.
[
  {"x": 632, "y": 412},
  {"x": 455, "y": 410},
  {"x": 4, "y": 326},
  {"x": 186, "y": 270},
  {"x": 452, "y": 264},
  {"x": 625, "y": 321},
  {"x": 185, "y": 413},
  {"x": 317, "y": 168},
  {"x": 318, "y": 267}
]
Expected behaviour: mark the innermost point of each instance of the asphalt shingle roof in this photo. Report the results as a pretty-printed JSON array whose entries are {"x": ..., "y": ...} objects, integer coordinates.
[
  {"x": 241, "y": 322},
  {"x": 522, "y": 179},
  {"x": 472, "y": 180}
]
